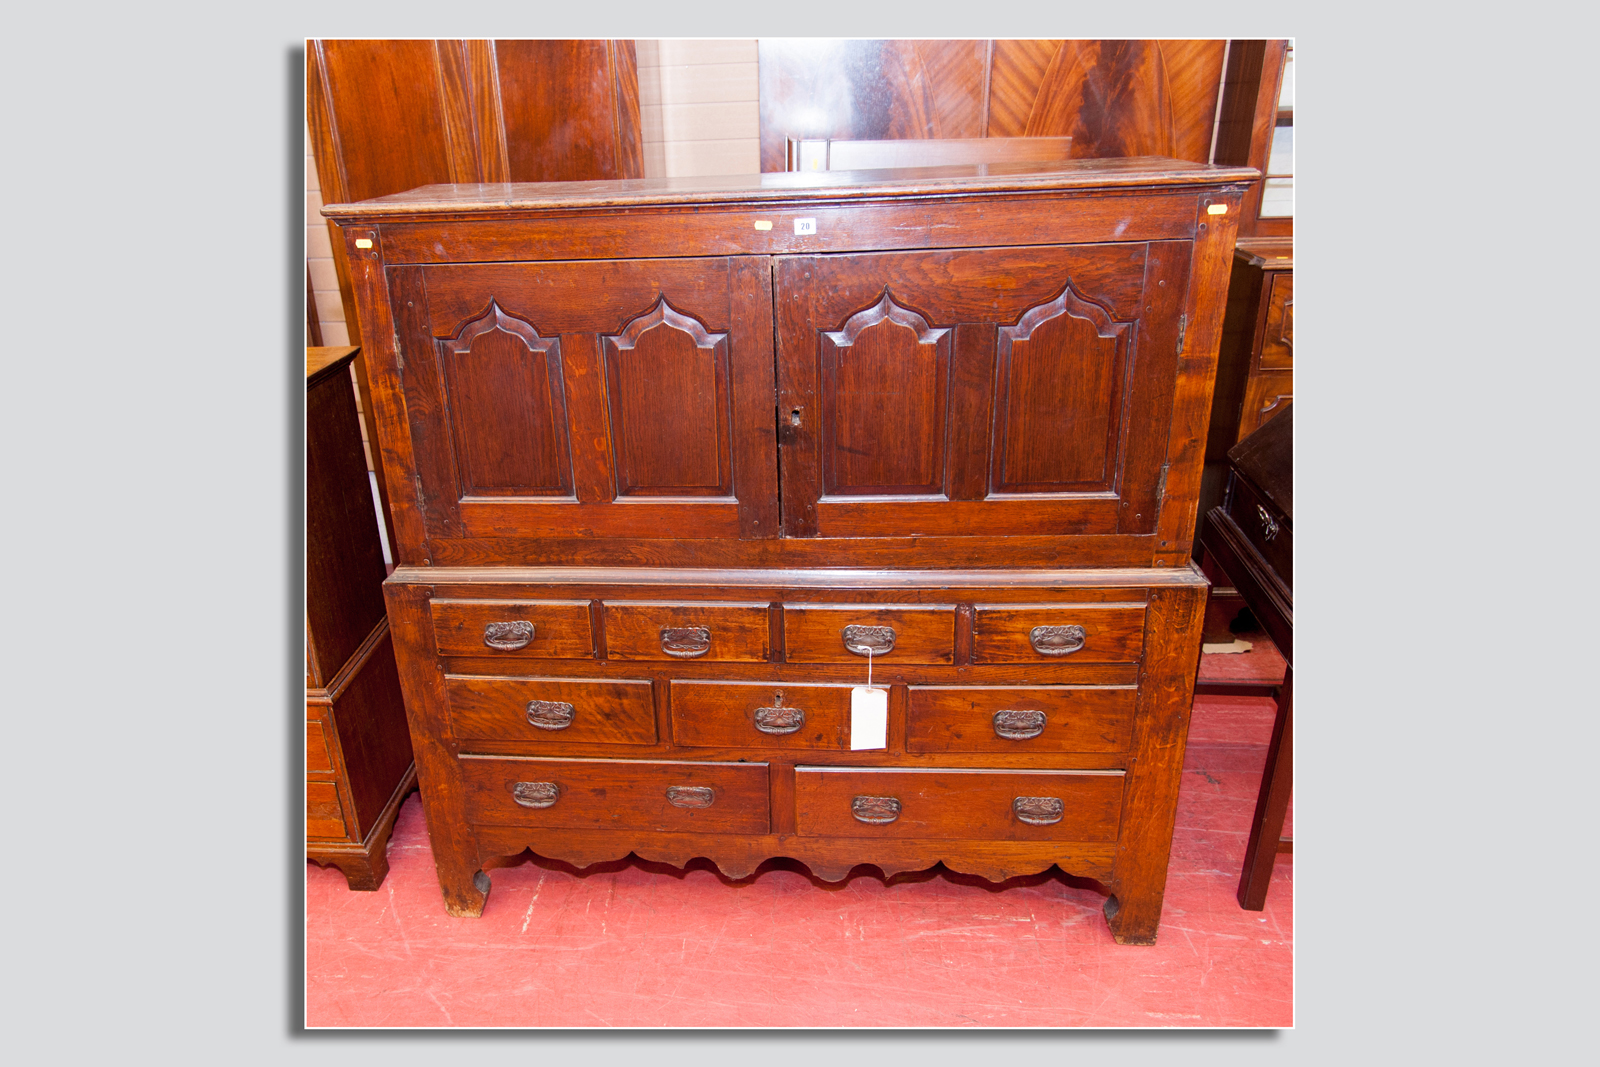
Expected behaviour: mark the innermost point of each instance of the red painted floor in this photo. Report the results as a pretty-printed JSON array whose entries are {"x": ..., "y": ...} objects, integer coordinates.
[{"x": 645, "y": 945}]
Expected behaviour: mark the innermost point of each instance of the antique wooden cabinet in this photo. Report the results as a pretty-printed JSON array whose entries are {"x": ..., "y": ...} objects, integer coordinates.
[
  {"x": 672, "y": 460},
  {"x": 358, "y": 748}
]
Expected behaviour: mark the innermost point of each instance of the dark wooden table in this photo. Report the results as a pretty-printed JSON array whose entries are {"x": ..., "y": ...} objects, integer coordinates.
[{"x": 1250, "y": 538}]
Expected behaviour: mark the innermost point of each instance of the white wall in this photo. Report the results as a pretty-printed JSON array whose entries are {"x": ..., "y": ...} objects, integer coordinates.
[{"x": 699, "y": 104}]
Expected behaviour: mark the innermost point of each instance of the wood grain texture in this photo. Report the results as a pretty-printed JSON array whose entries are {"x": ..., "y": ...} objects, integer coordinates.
[
  {"x": 738, "y": 632},
  {"x": 1173, "y": 621},
  {"x": 813, "y": 633},
  {"x": 725, "y": 715},
  {"x": 942, "y": 719},
  {"x": 957, "y": 804},
  {"x": 1113, "y": 633},
  {"x": 605, "y": 711},
  {"x": 602, "y": 793},
  {"x": 560, "y": 628}
]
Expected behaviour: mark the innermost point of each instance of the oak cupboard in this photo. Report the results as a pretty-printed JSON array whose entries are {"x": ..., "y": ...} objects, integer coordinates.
[{"x": 670, "y": 459}]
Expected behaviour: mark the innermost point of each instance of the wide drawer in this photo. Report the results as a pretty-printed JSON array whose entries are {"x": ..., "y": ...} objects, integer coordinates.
[
  {"x": 1057, "y": 633},
  {"x": 324, "y": 815},
  {"x": 840, "y": 633},
  {"x": 731, "y": 715},
  {"x": 551, "y": 710},
  {"x": 713, "y": 632},
  {"x": 958, "y": 804},
  {"x": 1019, "y": 719},
  {"x": 537, "y": 629},
  {"x": 636, "y": 794}
]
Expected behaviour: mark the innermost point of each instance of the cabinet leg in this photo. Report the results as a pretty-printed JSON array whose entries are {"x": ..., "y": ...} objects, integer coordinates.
[
  {"x": 363, "y": 873},
  {"x": 1272, "y": 803},
  {"x": 464, "y": 894},
  {"x": 1133, "y": 917}
]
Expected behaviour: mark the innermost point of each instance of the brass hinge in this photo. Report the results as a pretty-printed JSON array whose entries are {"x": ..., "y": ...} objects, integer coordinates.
[
  {"x": 1161, "y": 483},
  {"x": 422, "y": 504},
  {"x": 400, "y": 359},
  {"x": 1183, "y": 327}
]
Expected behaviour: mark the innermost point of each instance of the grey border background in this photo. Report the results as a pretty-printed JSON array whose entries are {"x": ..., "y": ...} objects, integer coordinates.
[{"x": 152, "y": 430}]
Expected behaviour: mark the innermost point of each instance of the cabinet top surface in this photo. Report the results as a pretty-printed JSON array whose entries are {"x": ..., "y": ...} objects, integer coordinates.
[
  {"x": 1268, "y": 253},
  {"x": 1077, "y": 174}
]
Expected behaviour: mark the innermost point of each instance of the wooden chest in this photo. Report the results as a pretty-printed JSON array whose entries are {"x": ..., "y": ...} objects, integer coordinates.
[{"x": 668, "y": 458}]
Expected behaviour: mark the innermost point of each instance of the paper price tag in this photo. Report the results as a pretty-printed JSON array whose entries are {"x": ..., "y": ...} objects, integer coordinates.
[{"x": 869, "y": 718}]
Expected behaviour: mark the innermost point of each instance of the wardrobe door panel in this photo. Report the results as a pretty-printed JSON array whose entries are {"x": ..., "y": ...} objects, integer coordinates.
[{"x": 604, "y": 399}]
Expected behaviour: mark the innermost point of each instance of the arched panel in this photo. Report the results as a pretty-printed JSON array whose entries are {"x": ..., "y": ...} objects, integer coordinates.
[
  {"x": 506, "y": 408},
  {"x": 1059, "y": 399},
  {"x": 885, "y": 382},
  {"x": 668, "y": 392}
]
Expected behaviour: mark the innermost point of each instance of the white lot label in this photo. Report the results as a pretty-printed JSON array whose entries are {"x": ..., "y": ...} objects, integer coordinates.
[
  {"x": 802, "y": 226},
  {"x": 869, "y": 718}
]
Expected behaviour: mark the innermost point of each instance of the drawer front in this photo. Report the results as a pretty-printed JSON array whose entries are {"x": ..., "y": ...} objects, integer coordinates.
[
  {"x": 318, "y": 758},
  {"x": 728, "y": 715},
  {"x": 709, "y": 632},
  {"x": 551, "y": 710},
  {"x": 817, "y": 633},
  {"x": 324, "y": 816},
  {"x": 1020, "y": 720},
  {"x": 1277, "y": 341},
  {"x": 534, "y": 629},
  {"x": 958, "y": 804},
  {"x": 636, "y": 794},
  {"x": 1056, "y": 633},
  {"x": 1263, "y": 526}
]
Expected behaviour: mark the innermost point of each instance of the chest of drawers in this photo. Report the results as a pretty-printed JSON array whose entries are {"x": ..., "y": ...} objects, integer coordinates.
[{"x": 668, "y": 459}]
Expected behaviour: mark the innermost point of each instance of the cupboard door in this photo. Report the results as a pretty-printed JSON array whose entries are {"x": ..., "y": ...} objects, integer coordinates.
[
  {"x": 977, "y": 392},
  {"x": 603, "y": 399}
]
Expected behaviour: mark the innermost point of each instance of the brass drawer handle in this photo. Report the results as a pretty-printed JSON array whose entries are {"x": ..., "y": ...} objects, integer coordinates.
[
  {"x": 779, "y": 719},
  {"x": 1018, "y": 725},
  {"x": 686, "y": 642},
  {"x": 1039, "y": 811},
  {"x": 690, "y": 796},
  {"x": 878, "y": 640},
  {"x": 876, "y": 811},
  {"x": 535, "y": 794},
  {"x": 550, "y": 714},
  {"x": 1269, "y": 525},
  {"x": 1056, "y": 640},
  {"x": 508, "y": 636}
]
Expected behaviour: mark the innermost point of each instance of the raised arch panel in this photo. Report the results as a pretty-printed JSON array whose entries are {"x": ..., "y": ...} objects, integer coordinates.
[
  {"x": 885, "y": 386},
  {"x": 506, "y": 408},
  {"x": 668, "y": 394},
  {"x": 1058, "y": 399}
]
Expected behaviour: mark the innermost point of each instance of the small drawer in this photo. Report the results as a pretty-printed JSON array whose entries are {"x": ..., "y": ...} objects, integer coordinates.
[
  {"x": 1020, "y": 720},
  {"x": 551, "y": 710},
  {"x": 318, "y": 758},
  {"x": 1057, "y": 633},
  {"x": 732, "y": 715},
  {"x": 840, "y": 633},
  {"x": 633, "y": 794},
  {"x": 324, "y": 816},
  {"x": 536, "y": 629},
  {"x": 1263, "y": 526},
  {"x": 709, "y": 632},
  {"x": 957, "y": 804}
]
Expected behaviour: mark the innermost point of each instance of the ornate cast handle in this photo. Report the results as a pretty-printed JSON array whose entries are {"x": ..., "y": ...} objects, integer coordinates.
[
  {"x": 779, "y": 719},
  {"x": 690, "y": 796},
  {"x": 1038, "y": 811},
  {"x": 535, "y": 794},
  {"x": 1286, "y": 327},
  {"x": 686, "y": 642},
  {"x": 508, "y": 636},
  {"x": 1269, "y": 525},
  {"x": 1018, "y": 725},
  {"x": 550, "y": 714},
  {"x": 1056, "y": 640},
  {"x": 861, "y": 640},
  {"x": 877, "y": 811}
]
